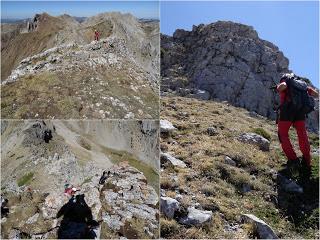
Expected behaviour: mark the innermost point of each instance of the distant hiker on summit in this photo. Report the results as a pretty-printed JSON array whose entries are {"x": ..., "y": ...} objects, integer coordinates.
[
  {"x": 296, "y": 101},
  {"x": 96, "y": 35}
]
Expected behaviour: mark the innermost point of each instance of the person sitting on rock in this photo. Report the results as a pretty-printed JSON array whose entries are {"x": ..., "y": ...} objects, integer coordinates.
[
  {"x": 96, "y": 35},
  {"x": 287, "y": 118}
]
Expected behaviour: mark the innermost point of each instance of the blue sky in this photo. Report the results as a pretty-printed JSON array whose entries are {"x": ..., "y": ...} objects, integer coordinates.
[
  {"x": 292, "y": 26},
  {"x": 25, "y": 9}
]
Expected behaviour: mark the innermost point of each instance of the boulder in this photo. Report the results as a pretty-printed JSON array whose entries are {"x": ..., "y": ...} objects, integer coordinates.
[
  {"x": 166, "y": 157},
  {"x": 202, "y": 95},
  {"x": 263, "y": 229},
  {"x": 212, "y": 131},
  {"x": 196, "y": 217},
  {"x": 168, "y": 206},
  {"x": 228, "y": 160},
  {"x": 255, "y": 139},
  {"x": 166, "y": 126}
]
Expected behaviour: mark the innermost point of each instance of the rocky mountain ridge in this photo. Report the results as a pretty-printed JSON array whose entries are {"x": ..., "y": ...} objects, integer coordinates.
[
  {"x": 120, "y": 210},
  {"x": 225, "y": 61},
  {"x": 59, "y": 65},
  {"x": 140, "y": 38},
  {"x": 39, "y": 158}
]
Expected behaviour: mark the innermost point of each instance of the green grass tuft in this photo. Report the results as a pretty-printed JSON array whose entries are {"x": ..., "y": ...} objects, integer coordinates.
[
  {"x": 25, "y": 179},
  {"x": 84, "y": 143},
  {"x": 263, "y": 133}
]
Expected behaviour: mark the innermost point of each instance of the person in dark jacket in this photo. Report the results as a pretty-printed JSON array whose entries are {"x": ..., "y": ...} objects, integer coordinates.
[{"x": 297, "y": 120}]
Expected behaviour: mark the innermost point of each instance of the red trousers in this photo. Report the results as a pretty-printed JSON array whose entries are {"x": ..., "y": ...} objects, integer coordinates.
[{"x": 283, "y": 132}]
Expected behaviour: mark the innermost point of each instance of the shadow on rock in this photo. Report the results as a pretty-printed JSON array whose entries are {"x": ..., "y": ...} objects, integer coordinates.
[
  {"x": 77, "y": 222},
  {"x": 299, "y": 199}
]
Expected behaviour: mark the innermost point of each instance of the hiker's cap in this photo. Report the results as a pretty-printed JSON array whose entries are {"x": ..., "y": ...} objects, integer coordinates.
[{"x": 287, "y": 76}]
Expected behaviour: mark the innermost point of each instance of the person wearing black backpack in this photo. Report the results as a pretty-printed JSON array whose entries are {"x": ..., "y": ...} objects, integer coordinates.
[{"x": 296, "y": 101}]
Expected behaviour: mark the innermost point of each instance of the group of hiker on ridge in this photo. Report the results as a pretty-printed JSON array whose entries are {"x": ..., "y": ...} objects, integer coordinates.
[{"x": 296, "y": 101}]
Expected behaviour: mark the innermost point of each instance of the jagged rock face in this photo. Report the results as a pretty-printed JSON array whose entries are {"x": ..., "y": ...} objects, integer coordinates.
[
  {"x": 229, "y": 61},
  {"x": 125, "y": 204},
  {"x": 126, "y": 198}
]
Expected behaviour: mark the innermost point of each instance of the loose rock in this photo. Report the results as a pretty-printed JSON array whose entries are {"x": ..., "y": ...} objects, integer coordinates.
[
  {"x": 196, "y": 217},
  {"x": 166, "y": 157},
  {"x": 263, "y": 229},
  {"x": 166, "y": 126},
  {"x": 255, "y": 139},
  {"x": 169, "y": 206}
]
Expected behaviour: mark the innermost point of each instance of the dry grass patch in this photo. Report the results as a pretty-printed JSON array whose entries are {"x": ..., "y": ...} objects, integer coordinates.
[{"x": 214, "y": 184}]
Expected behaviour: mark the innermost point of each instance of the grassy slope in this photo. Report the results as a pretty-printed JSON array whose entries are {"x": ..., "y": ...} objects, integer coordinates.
[
  {"x": 74, "y": 95},
  {"x": 28, "y": 44},
  {"x": 217, "y": 186}
]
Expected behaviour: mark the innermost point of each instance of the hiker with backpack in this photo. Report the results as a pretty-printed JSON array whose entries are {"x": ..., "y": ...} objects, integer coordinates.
[{"x": 296, "y": 101}]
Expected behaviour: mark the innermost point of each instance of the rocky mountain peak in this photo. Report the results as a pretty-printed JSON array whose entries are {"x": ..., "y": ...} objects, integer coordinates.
[
  {"x": 225, "y": 29},
  {"x": 229, "y": 62}
]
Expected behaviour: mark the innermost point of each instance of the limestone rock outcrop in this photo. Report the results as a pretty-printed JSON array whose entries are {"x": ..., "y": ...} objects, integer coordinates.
[{"x": 229, "y": 61}]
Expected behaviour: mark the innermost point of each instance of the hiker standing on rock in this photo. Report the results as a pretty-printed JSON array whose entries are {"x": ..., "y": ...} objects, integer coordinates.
[
  {"x": 96, "y": 35},
  {"x": 295, "y": 103}
]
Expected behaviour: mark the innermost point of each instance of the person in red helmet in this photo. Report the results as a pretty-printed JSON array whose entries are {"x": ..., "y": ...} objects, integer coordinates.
[
  {"x": 96, "y": 35},
  {"x": 290, "y": 116}
]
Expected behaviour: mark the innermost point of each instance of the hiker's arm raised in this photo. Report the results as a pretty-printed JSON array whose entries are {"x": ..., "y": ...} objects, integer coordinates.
[
  {"x": 312, "y": 92},
  {"x": 281, "y": 87}
]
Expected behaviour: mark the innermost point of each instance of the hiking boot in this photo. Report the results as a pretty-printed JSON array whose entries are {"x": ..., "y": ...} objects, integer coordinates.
[
  {"x": 305, "y": 171},
  {"x": 293, "y": 167}
]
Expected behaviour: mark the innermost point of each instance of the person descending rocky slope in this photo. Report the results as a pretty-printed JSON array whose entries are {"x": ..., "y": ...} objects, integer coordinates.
[
  {"x": 222, "y": 175},
  {"x": 59, "y": 67},
  {"x": 225, "y": 61},
  {"x": 45, "y": 163}
]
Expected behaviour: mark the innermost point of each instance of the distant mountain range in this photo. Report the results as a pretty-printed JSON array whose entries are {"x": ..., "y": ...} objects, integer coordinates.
[
  {"x": 17, "y": 20},
  {"x": 79, "y": 19}
]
